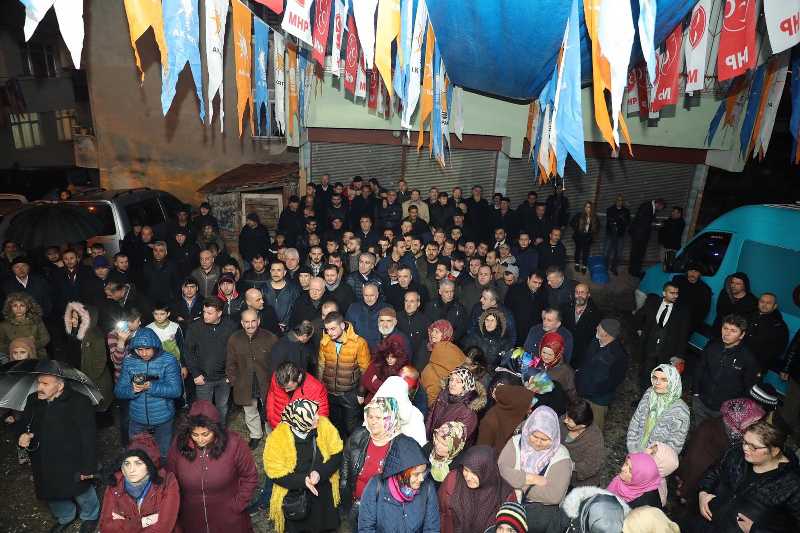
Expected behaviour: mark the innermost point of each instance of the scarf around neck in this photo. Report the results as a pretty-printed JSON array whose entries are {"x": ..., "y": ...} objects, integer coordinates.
[{"x": 659, "y": 403}]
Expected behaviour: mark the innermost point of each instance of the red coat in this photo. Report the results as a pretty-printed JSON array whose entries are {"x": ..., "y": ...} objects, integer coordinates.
[
  {"x": 162, "y": 500},
  {"x": 215, "y": 492},
  {"x": 310, "y": 389}
]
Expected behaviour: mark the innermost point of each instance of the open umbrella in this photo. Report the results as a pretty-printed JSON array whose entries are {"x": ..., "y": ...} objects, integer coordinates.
[
  {"x": 18, "y": 380},
  {"x": 52, "y": 224}
]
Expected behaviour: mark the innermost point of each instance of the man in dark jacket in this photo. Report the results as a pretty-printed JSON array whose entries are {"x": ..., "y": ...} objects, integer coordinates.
[
  {"x": 206, "y": 347},
  {"x": 22, "y": 280},
  {"x": 297, "y": 347},
  {"x": 526, "y": 255},
  {"x": 254, "y": 238},
  {"x": 189, "y": 305},
  {"x": 363, "y": 205},
  {"x": 670, "y": 235},
  {"x": 736, "y": 299},
  {"x": 560, "y": 291},
  {"x": 557, "y": 208},
  {"x": 307, "y": 307},
  {"x": 365, "y": 274},
  {"x": 767, "y": 334},
  {"x": 478, "y": 212},
  {"x": 58, "y": 429},
  {"x": 254, "y": 299},
  {"x": 121, "y": 297},
  {"x": 552, "y": 251},
  {"x": 527, "y": 300},
  {"x": 232, "y": 301},
  {"x": 363, "y": 315},
  {"x": 694, "y": 294},
  {"x": 256, "y": 277},
  {"x": 336, "y": 289},
  {"x": 414, "y": 323},
  {"x": 248, "y": 369},
  {"x": 727, "y": 370},
  {"x": 640, "y": 230},
  {"x": 603, "y": 369},
  {"x": 184, "y": 252},
  {"x": 395, "y": 294},
  {"x": 159, "y": 276},
  {"x": 291, "y": 222},
  {"x": 618, "y": 218},
  {"x": 551, "y": 321},
  {"x": 442, "y": 212},
  {"x": 581, "y": 319},
  {"x": 790, "y": 410},
  {"x": 280, "y": 293},
  {"x": 447, "y": 307},
  {"x": 390, "y": 213},
  {"x": 71, "y": 283}
]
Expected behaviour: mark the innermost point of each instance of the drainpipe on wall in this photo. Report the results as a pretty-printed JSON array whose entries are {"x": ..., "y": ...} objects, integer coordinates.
[{"x": 501, "y": 168}]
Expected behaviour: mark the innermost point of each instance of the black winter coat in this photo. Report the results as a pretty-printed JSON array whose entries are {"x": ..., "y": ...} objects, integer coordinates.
[
  {"x": 416, "y": 329},
  {"x": 390, "y": 216},
  {"x": 584, "y": 331},
  {"x": 696, "y": 297},
  {"x": 767, "y": 337},
  {"x": 291, "y": 224},
  {"x": 288, "y": 348},
  {"x": 526, "y": 306},
  {"x": 552, "y": 255},
  {"x": 206, "y": 347},
  {"x": 724, "y": 373},
  {"x": 253, "y": 241},
  {"x": 771, "y": 500},
  {"x": 617, "y": 220},
  {"x": 792, "y": 361},
  {"x": 160, "y": 280},
  {"x": 65, "y": 432},
  {"x": 454, "y": 312},
  {"x": 642, "y": 223}
]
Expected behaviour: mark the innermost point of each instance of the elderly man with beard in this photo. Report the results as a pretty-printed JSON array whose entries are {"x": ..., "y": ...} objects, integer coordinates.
[
  {"x": 581, "y": 319},
  {"x": 307, "y": 307},
  {"x": 387, "y": 327},
  {"x": 58, "y": 430}
]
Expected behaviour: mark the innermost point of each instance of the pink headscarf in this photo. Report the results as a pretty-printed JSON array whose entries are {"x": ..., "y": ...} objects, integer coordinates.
[
  {"x": 544, "y": 420},
  {"x": 738, "y": 414},
  {"x": 644, "y": 478},
  {"x": 667, "y": 462}
]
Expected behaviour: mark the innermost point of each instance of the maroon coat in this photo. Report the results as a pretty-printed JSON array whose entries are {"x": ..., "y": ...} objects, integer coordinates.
[
  {"x": 215, "y": 492},
  {"x": 450, "y": 409},
  {"x": 162, "y": 500}
]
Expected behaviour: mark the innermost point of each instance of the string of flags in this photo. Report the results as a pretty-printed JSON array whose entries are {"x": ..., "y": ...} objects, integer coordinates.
[{"x": 386, "y": 54}]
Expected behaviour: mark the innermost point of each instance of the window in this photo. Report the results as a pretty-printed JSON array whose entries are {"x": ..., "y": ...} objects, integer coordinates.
[
  {"x": 102, "y": 211},
  {"x": 147, "y": 212},
  {"x": 707, "y": 251},
  {"x": 25, "y": 130},
  {"x": 39, "y": 60},
  {"x": 767, "y": 267},
  {"x": 65, "y": 121},
  {"x": 171, "y": 205}
]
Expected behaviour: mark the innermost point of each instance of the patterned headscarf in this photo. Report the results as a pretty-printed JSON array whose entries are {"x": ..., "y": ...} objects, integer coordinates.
[
  {"x": 661, "y": 402},
  {"x": 454, "y": 435},
  {"x": 544, "y": 420},
  {"x": 738, "y": 414},
  {"x": 555, "y": 342},
  {"x": 300, "y": 414},
  {"x": 444, "y": 327},
  {"x": 389, "y": 411},
  {"x": 466, "y": 378}
]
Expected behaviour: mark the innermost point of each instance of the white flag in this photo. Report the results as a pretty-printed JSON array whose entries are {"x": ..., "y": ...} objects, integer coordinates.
[
  {"x": 364, "y": 13},
  {"x": 415, "y": 65},
  {"x": 216, "y": 17},
  {"x": 695, "y": 47},
  {"x": 615, "y": 32},
  {"x": 771, "y": 107},
  {"x": 457, "y": 110},
  {"x": 297, "y": 20},
  {"x": 308, "y": 79},
  {"x": 278, "y": 48},
  {"x": 544, "y": 145},
  {"x": 783, "y": 23},
  {"x": 647, "y": 29},
  {"x": 361, "y": 81},
  {"x": 69, "y": 14},
  {"x": 339, "y": 23}
]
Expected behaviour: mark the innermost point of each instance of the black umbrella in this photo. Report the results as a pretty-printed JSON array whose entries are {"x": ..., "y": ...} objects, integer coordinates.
[
  {"x": 52, "y": 224},
  {"x": 18, "y": 380}
]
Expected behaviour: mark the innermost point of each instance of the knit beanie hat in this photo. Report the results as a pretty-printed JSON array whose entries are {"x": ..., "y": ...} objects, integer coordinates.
[
  {"x": 611, "y": 326},
  {"x": 513, "y": 515}
]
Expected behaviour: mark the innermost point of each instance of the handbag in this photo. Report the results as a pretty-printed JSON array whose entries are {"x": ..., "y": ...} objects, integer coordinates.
[{"x": 296, "y": 505}]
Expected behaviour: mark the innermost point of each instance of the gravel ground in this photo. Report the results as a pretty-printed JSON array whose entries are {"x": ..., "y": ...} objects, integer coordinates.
[{"x": 21, "y": 511}]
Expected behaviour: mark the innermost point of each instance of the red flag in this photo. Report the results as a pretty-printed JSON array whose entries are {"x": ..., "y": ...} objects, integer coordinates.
[
  {"x": 321, "y": 28},
  {"x": 737, "y": 41},
  {"x": 373, "y": 88},
  {"x": 274, "y": 5},
  {"x": 641, "y": 88},
  {"x": 666, "y": 85},
  {"x": 351, "y": 57}
]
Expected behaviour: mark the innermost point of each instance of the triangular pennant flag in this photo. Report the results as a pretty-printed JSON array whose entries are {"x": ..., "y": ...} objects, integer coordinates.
[
  {"x": 753, "y": 101},
  {"x": 69, "y": 14},
  {"x": 647, "y": 29},
  {"x": 291, "y": 68},
  {"x": 769, "y": 81},
  {"x": 570, "y": 113},
  {"x": 364, "y": 13},
  {"x": 773, "y": 102},
  {"x": 400, "y": 78},
  {"x": 339, "y": 19},
  {"x": 415, "y": 65},
  {"x": 182, "y": 30},
  {"x": 322, "y": 25},
  {"x": 216, "y": 14},
  {"x": 615, "y": 33},
  {"x": 142, "y": 14},
  {"x": 388, "y": 29},
  {"x": 351, "y": 58},
  {"x": 426, "y": 96},
  {"x": 279, "y": 67},
  {"x": 274, "y": 5},
  {"x": 242, "y": 37},
  {"x": 260, "y": 87},
  {"x": 436, "y": 113},
  {"x": 361, "y": 79}
]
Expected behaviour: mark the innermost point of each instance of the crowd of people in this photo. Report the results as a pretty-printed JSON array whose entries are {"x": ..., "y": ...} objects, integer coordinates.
[{"x": 408, "y": 364}]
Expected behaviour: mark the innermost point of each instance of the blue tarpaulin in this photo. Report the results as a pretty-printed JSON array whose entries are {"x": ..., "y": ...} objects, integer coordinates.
[{"x": 509, "y": 48}]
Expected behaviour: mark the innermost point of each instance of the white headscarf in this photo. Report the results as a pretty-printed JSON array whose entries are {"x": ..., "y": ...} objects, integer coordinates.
[{"x": 412, "y": 423}]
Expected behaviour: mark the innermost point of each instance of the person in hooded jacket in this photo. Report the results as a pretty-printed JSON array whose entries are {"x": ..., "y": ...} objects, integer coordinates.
[
  {"x": 402, "y": 499},
  {"x": 444, "y": 358},
  {"x": 141, "y": 497},
  {"x": 736, "y": 299},
  {"x": 151, "y": 379},
  {"x": 461, "y": 401},
  {"x": 512, "y": 404},
  {"x": 587, "y": 510},
  {"x": 216, "y": 473},
  {"x": 471, "y": 495},
  {"x": 491, "y": 336},
  {"x": 388, "y": 360},
  {"x": 89, "y": 344}
]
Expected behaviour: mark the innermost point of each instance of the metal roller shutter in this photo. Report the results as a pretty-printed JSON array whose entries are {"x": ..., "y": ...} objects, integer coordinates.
[
  {"x": 464, "y": 169},
  {"x": 343, "y": 161},
  {"x": 580, "y": 187}
]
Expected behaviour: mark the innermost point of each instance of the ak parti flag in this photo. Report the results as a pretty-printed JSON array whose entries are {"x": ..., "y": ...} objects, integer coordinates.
[
  {"x": 291, "y": 65},
  {"x": 737, "y": 41},
  {"x": 322, "y": 25},
  {"x": 274, "y": 5},
  {"x": 69, "y": 14},
  {"x": 388, "y": 30},
  {"x": 242, "y": 37},
  {"x": 182, "y": 30},
  {"x": 216, "y": 14},
  {"x": 260, "y": 87},
  {"x": 669, "y": 61},
  {"x": 426, "y": 96},
  {"x": 142, "y": 14}
]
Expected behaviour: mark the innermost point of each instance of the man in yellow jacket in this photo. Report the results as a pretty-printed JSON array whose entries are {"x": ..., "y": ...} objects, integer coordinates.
[{"x": 343, "y": 357}]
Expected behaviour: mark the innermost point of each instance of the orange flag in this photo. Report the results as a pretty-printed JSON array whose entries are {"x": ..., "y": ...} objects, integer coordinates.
[
  {"x": 141, "y": 15},
  {"x": 388, "y": 30},
  {"x": 769, "y": 79},
  {"x": 242, "y": 39},
  {"x": 291, "y": 50},
  {"x": 426, "y": 98}
]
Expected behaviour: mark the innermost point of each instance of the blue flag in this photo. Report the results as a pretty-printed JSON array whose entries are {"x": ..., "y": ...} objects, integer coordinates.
[
  {"x": 436, "y": 113},
  {"x": 261, "y": 90},
  {"x": 753, "y": 101},
  {"x": 399, "y": 81},
  {"x": 302, "y": 61},
  {"x": 569, "y": 121},
  {"x": 794, "y": 121},
  {"x": 182, "y": 32}
]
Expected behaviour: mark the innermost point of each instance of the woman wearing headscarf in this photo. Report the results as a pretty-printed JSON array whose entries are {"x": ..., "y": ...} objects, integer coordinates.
[
  {"x": 460, "y": 402},
  {"x": 403, "y": 498},
  {"x": 638, "y": 480},
  {"x": 710, "y": 439},
  {"x": 410, "y": 419},
  {"x": 140, "y": 497},
  {"x": 661, "y": 415},
  {"x": 303, "y": 453},
  {"x": 471, "y": 495},
  {"x": 649, "y": 520},
  {"x": 216, "y": 473},
  {"x": 667, "y": 462},
  {"x": 445, "y": 357},
  {"x": 23, "y": 318},
  {"x": 537, "y": 465},
  {"x": 551, "y": 357},
  {"x": 445, "y": 447},
  {"x": 366, "y": 450},
  {"x": 511, "y": 407},
  {"x": 390, "y": 357},
  {"x": 86, "y": 344},
  {"x": 491, "y": 337}
]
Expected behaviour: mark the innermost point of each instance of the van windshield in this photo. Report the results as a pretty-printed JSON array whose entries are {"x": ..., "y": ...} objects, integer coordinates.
[
  {"x": 706, "y": 252},
  {"x": 102, "y": 211}
]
